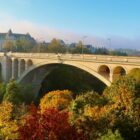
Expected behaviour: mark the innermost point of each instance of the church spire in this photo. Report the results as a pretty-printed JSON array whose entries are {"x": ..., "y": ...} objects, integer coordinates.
[{"x": 9, "y": 32}]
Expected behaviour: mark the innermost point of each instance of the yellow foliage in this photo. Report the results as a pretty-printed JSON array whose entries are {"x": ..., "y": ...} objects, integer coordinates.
[
  {"x": 97, "y": 113},
  {"x": 56, "y": 99},
  {"x": 8, "y": 126}
]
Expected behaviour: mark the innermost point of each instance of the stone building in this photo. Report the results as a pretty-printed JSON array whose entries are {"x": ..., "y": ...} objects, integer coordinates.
[{"x": 10, "y": 36}]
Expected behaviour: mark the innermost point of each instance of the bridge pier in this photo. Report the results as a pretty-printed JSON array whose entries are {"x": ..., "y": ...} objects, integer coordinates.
[
  {"x": 6, "y": 63},
  {"x": 21, "y": 66},
  {"x": 14, "y": 68},
  {"x": 111, "y": 76}
]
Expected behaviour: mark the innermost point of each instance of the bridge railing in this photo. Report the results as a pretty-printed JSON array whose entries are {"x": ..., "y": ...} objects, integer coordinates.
[{"x": 85, "y": 57}]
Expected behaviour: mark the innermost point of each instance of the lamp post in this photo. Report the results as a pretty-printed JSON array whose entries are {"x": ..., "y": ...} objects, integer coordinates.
[
  {"x": 109, "y": 40},
  {"x": 67, "y": 49},
  {"x": 84, "y": 37}
]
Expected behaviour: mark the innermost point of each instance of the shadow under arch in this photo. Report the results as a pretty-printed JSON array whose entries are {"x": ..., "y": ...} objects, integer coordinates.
[
  {"x": 118, "y": 71},
  {"x": 74, "y": 64},
  {"x": 104, "y": 70}
]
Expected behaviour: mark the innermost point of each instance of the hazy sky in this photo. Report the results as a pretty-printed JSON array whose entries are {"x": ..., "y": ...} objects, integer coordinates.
[{"x": 71, "y": 20}]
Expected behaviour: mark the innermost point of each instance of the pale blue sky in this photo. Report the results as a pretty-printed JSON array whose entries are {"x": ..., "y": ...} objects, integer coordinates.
[{"x": 72, "y": 19}]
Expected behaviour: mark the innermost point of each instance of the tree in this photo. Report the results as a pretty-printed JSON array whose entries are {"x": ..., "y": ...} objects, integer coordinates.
[
  {"x": 24, "y": 45},
  {"x": 51, "y": 124},
  {"x": 8, "y": 45},
  {"x": 80, "y": 48},
  {"x": 78, "y": 105},
  {"x": 56, "y": 46},
  {"x": 8, "y": 125},
  {"x": 13, "y": 93},
  {"x": 81, "y": 119},
  {"x": 101, "y": 50},
  {"x": 40, "y": 47},
  {"x": 57, "y": 99},
  {"x": 124, "y": 99}
]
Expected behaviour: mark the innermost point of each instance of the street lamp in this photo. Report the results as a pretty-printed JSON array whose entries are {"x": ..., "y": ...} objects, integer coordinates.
[
  {"x": 67, "y": 49},
  {"x": 109, "y": 40},
  {"x": 84, "y": 37}
]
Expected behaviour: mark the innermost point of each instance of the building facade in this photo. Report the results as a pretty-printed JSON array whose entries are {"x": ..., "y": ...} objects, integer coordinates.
[{"x": 13, "y": 37}]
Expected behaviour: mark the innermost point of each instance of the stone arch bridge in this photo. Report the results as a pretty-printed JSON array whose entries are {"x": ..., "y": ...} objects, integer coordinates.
[{"x": 34, "y": 67}]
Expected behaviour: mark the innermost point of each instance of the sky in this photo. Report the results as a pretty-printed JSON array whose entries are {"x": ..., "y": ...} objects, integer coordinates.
[{"x": 109, "y": 23}]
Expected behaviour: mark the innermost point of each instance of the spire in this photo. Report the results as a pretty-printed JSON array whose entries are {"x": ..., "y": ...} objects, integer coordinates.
[
  {"x": 9, "y": 32},
  {"x": 27, "y": 34}
]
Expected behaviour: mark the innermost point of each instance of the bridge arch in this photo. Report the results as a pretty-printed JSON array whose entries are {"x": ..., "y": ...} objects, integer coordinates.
[
  {"x": 70, "y": 63},
  {"x": 119, "y": 71},
  {"x": 104, "y": 70},
  {"x": 29, "y": 63}
]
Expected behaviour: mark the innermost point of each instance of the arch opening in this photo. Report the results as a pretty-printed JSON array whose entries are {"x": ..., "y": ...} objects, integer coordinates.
[
  {"x": 104, "y": 71},
  {"x": 118, "y": 71},
  {"x": 68, "y": 77},
  {"x": 29, "y": 63},
  {"x": 22, "y": 66},
  {"x": 36, "y": 74}
]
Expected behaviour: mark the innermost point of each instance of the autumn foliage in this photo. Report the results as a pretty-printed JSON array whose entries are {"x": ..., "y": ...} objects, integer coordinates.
[
  {"x": 114, "y": 115},
  {"x": 56, "y": 99},
  {"x": 8, "y": 124},
  {"x": 51, "y": 124}
]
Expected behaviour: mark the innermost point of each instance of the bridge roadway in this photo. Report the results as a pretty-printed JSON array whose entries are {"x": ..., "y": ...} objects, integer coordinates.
[{"x": 33, "y": 67}]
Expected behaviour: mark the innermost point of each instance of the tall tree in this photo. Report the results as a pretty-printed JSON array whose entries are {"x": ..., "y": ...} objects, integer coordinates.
[
  {"x": 13, "y": 93},
  {"x": 8, "y": 45},
  {"x": 56, "y": 46}
]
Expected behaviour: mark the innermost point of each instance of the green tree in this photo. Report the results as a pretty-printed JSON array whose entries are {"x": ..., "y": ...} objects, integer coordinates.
[
  {"x": 24, "y": 45},
  {"x": 80, "y": 49},
  {"x": 8, "y": 45},
  {"x": 13, "y": 93},
  {"x": 40, "y": 47},
  {"x": 56, "y": 46}
]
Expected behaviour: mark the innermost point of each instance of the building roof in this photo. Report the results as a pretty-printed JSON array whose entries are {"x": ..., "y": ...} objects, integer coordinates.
[{"x": 15, "y": 35}]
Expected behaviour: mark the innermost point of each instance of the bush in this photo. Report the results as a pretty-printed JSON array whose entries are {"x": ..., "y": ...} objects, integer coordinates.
[
  {"x": 111, "y": 136},
  {"x": 13, "y": 93},
  {"x": 57, "y": 99}
]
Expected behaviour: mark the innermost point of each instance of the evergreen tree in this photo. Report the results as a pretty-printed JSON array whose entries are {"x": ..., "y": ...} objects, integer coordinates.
[{"x": 13, "y": 93}]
